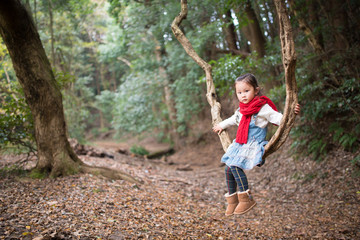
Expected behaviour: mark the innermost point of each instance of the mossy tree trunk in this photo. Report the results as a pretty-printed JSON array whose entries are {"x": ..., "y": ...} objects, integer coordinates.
[{"x": 42, "y": 94}]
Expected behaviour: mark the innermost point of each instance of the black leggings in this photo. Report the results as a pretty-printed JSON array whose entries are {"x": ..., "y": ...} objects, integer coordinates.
[{"x": 235, "y": 177}]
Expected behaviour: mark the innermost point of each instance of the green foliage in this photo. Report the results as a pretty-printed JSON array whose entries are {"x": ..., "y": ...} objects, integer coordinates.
[
  {"x": 346, "y": 139},
  {"x": 135, "y": 102},
  {"x": 144, "y": 28},
  {"x": 188, "y": 102},
  {"x": 317, "y": 147},
  {"x": 106, "y": 102},
  {"x": 13, "y": 170},
  {"x": 77, "y": 112},
  {"x": 330, "y": 99},
  {"x": 112, "y": 72},
  {"x": 187, "y": 89},
  {"x": 330, "y": 106},
  {"x": 63, "y": 79},
  {"x": 78, "y": 27},
  {"x": 138, "y": 150},
  {"x": 16, "y": 123},
  {"x": 356, "y": 161},
  {"x": 228, "y": 68},
  {"x": 37, "y": 174}
]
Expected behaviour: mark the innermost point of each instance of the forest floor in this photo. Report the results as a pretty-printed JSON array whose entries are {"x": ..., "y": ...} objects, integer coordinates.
[{"x": 182, "y": 197}]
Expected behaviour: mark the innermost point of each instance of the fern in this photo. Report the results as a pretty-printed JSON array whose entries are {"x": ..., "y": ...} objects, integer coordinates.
[{"x": 317, "y": 147}]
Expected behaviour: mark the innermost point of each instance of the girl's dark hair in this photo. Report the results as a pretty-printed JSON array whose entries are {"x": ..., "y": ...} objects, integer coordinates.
[{"x": 249, "y": 79}]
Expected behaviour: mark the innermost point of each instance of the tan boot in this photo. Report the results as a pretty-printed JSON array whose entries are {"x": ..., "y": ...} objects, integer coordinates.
[
  {"x": 232, "y": 201},
  {"x": 246, "y": 202}
]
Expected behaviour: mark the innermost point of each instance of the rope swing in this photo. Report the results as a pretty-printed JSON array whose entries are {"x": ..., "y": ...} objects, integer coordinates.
[{"x": 289, "y": 62}]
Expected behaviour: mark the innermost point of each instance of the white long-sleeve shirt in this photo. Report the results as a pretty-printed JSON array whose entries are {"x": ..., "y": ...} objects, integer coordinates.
[{"x": 265, "y": 115}]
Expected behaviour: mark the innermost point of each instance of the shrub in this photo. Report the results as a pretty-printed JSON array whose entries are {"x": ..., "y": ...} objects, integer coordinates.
[{"x": 138, "y": 150}]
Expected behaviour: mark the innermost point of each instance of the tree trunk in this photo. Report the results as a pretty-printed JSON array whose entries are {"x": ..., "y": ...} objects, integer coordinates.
[
  {"x": 304, "y": 26},
  {"x": 252, "y": 31},
  {"x": 314, "y": 20},
  {"x": 255, "y": 35},
  {"x": 231, "y": 38},
  {"x": 229, "y": 30},
  {"x": 170, "y": 105},
  {"x": 339, "y": 22},
  {"x": 271, "y": 19},
  {"x": 42, "y": 93}
]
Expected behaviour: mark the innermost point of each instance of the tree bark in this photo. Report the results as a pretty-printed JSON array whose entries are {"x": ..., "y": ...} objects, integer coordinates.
[
  {"x": 339, "y": 23},
  {"x": 289, "y": 62},
  {"x": 314, "y": 20},
  {"x": 269, "y": 6},
  {"x": 304, "y": 26},
  {"x": 252, "y": 31},
  {"x": 231, "y": 37},
  {"x": 42, "y": 94},
  {"x": 170, "y": 104},
  {"x": 229, "y": 30},
  {"x": 255, "y": 35},
  {"x": 211, "y": 95}
]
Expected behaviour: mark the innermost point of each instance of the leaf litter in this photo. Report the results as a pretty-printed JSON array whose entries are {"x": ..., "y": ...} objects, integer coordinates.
[{"x": 296, "y": 200}]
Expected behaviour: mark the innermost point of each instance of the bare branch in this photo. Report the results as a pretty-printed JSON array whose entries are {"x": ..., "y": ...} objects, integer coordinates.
[
  {"x": 211, "y": 95},
  {"x": 289, "y": 62},
  {"x": 127, "y": 62}
]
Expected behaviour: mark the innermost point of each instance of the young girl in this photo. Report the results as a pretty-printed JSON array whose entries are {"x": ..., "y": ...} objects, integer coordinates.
[{"x": 246, "y": 151}]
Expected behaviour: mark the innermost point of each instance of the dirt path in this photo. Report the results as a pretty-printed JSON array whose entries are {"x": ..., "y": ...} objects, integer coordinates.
[{"x": 182, "y": 198}]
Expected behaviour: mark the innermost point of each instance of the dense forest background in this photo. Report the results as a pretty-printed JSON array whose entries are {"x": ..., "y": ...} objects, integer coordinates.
[
  {"x": 88, "y": 86},
  {"x": 121, "y": 71}
]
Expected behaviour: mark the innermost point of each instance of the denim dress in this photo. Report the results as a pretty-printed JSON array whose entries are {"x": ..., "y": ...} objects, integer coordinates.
[{"x": 246, "y": 156}]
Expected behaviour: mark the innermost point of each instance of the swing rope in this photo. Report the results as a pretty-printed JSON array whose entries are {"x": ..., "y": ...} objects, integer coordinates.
[{"x": 289, "y": 62}]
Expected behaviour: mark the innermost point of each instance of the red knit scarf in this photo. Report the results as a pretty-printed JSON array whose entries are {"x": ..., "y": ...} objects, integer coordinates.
[{"x": 247, "y": 110}]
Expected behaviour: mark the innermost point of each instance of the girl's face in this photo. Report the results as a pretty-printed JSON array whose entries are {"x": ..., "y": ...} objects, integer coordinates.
[{"x": 245, "y": 92}]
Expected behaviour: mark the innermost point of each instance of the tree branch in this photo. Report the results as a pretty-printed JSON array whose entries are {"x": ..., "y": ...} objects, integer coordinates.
[
  {"x": 210, "y": 95},
  {"x": 109, "y": 173},
  {"x": 289, "y": 62}
]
